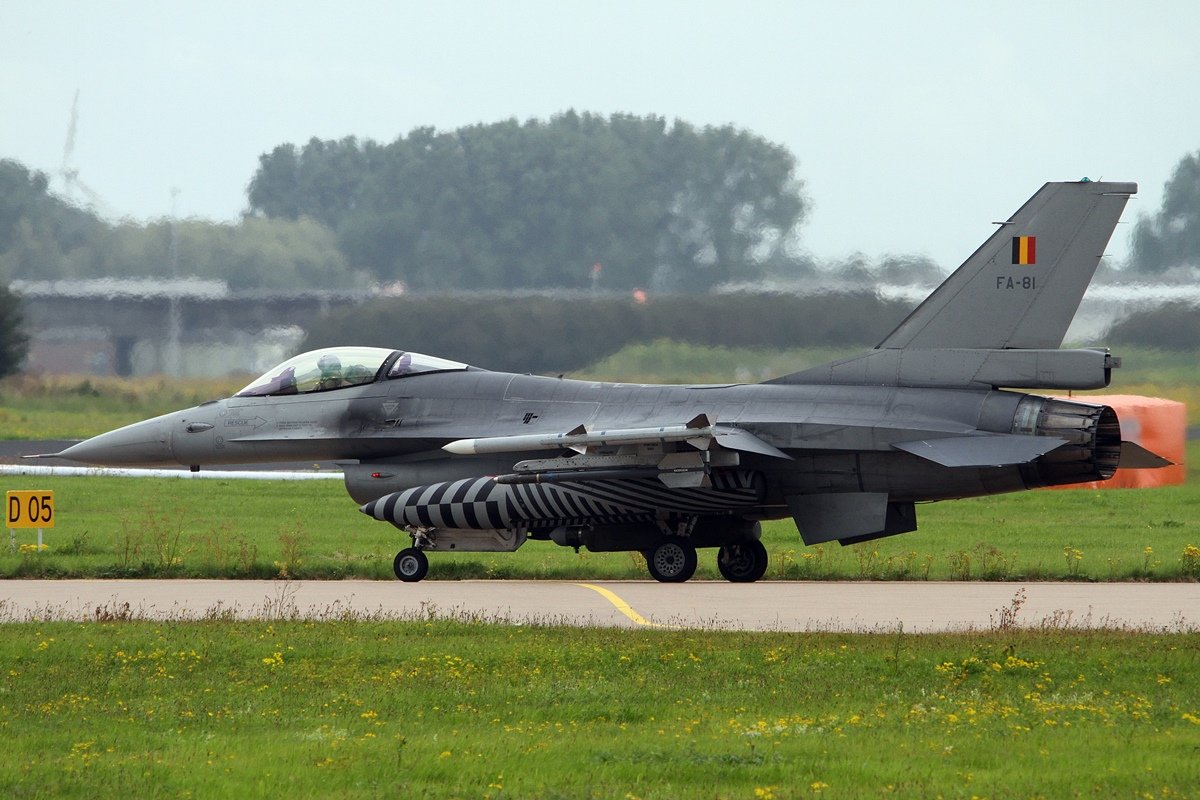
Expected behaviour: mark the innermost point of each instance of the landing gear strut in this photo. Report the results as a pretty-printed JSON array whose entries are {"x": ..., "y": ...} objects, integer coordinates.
[{"x": 411, "y": 565}]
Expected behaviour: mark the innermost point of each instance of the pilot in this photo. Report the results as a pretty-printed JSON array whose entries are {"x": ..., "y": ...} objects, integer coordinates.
[
  {"x": 331, "y": 372},
  {"x": 358, "y": 373},
  {"x": 403, "y": 365}
]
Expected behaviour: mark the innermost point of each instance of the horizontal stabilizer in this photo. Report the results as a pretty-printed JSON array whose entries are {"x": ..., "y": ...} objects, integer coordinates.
[
  {"x": 996, "y": 450},
  {"x": 1134, "y": 456}
]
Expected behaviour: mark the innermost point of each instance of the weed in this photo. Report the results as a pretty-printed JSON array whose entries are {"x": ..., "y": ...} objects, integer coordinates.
[
  {"x": 1074, "y": 557},
  {"x": 814, "y": 561},
  {"x": 247, "y": 554},
  {"x": 994, "y": 565},
  {"x": 292, "y": 546},
  {"x": 166, "y": 539},
  {"x": 900, "y": 566},
  {"x": 1007, "y": 616},
  {"x": 77, "y": 546},
  {"x": 128, "y": 545},
  {"x": 960, "y": 565},
  {"x": 868, "y": 562},
  {"x": 1190, "y": 561},
  {"x": 1149, "y": 562},
  {"x": 214, "y": 546},
  {"x": 113, "y": 612}
]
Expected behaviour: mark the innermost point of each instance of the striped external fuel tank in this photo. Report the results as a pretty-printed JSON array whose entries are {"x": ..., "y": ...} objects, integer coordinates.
[{"x": 483, "y": 504}]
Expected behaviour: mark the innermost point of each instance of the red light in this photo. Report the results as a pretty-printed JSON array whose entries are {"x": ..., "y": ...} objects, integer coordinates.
[{"x": 376, "y": 474}]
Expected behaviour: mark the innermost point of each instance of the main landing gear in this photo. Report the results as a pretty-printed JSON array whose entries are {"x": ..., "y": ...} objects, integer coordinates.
[
  {"x": 671, "y": 561},
  {"x": 742, "y": 562}
]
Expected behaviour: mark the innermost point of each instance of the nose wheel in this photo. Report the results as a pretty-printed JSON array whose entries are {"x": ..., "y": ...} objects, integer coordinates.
[{"x": 411, "y": 565}]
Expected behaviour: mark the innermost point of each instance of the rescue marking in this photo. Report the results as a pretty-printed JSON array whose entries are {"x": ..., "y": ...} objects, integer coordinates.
[{"x": 621, "y": 605}]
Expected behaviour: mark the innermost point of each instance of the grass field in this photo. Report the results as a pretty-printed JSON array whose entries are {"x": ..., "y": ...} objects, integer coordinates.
[
  {"x": 78, "y": 407},
  {"x": 119, "y": 527},
  {"x": 123, "y": 527},
  {"x": 438, "y": 708}
]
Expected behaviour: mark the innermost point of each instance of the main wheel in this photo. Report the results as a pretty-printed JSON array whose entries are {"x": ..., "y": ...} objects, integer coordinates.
[
  {"x": 672, "y": 562},
  {"x": 411, "y": 565},
  {"x": 742, "y": 562}
]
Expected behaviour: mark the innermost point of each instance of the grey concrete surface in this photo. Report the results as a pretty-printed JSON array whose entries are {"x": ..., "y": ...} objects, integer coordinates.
[{"x": 817, "y": 606}]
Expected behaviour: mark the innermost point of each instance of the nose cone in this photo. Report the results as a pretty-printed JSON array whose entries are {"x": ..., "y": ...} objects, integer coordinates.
[{"x": 140, "y": 444}]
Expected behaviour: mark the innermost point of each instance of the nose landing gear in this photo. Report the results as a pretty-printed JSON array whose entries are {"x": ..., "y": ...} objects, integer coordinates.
[{"x": 411, "y": 565}]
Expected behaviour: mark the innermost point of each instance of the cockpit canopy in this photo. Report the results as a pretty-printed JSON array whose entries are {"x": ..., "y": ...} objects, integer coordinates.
[{"x": 339, "y": 367}]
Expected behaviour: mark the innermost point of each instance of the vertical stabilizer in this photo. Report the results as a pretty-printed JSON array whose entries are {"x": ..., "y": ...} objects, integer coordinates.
[{"x": 1021, "y": 289}]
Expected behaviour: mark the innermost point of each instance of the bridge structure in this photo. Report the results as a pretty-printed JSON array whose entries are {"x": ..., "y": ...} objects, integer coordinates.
[
  {"x": 202, "y": 328},
  {"x": 185, "y": 327}
]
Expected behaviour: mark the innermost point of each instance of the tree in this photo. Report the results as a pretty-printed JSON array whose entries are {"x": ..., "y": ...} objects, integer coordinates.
[
  {"x": 37, "y": 230},
  {"x": 536, "y": 204},
  {"x": 1171, "y": 238},
  {"x": 1171, "y": 326},
  {"x": 14, "y": 344}
]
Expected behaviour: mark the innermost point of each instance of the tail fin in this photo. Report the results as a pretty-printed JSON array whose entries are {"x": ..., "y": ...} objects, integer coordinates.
[{"x": 1021, "y": 289}]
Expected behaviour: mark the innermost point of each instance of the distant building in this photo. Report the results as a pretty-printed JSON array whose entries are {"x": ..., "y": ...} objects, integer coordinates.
[{"x": 187, "y": 327}]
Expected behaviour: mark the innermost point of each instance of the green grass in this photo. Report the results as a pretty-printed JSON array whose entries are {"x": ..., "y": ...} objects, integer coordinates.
[
  {"x": 435, "y": 708},
  {"x": 123, "y": 527},
  {"x": 63, "y": 407}
]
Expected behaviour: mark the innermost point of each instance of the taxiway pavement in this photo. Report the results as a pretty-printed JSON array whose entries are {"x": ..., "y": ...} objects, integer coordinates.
[{"x": 784, "y": 606}]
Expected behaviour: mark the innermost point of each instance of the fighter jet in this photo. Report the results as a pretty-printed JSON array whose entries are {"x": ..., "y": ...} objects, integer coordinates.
[{"x": 465, "y": 459}]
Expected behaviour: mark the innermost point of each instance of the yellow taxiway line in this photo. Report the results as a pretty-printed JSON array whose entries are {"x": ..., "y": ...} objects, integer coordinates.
[{"x": 621, "y": 605}]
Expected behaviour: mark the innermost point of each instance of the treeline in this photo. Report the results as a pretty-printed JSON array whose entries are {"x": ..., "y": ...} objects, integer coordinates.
[
  {"x": 546, "y": 334},
  {"x": 1173, "y": 326},
  {"x": 578, "y": 201},
  {"x": 1169, "y": 240},
  {"x": 44, "y": 238}
]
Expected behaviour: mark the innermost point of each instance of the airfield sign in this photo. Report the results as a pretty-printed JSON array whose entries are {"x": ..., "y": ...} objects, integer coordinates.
[
  {"x": 29, "y": 509},
  {"x": 33, "y": 509}
]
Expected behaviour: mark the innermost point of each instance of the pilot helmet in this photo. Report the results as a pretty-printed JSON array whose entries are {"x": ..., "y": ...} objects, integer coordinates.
[{"x": 329, "y": 364}]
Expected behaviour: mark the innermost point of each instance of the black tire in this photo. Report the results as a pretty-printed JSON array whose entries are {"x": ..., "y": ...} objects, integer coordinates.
[
  {"x": 672, "y": 561},
  {"x": 411, "y": 565},
  {"x": 743, "y": 561}
]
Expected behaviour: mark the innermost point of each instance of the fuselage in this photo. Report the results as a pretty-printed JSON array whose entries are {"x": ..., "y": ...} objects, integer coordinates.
[{"x": 840, "y": 437}]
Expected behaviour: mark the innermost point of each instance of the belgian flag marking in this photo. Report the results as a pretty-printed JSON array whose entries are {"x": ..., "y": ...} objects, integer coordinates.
[{"x": 1024, "y": 250}]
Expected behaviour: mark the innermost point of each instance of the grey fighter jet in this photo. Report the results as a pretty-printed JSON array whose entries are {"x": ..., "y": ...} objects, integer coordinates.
[{"x": 464, "y": 459}]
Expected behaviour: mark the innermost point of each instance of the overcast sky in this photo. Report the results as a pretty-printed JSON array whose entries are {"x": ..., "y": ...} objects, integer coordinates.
[{"x": 914, "y": 124}]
